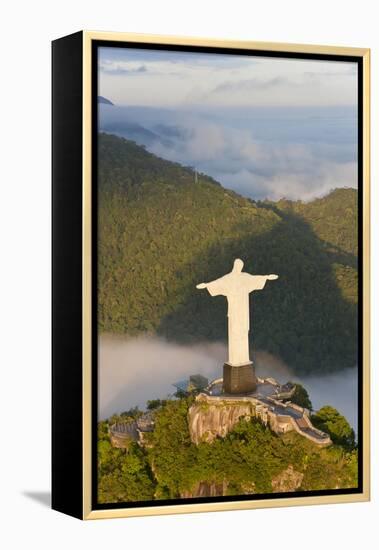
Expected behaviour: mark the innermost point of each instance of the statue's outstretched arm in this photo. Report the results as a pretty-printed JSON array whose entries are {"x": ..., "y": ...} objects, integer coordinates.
[
  {"x": 201, "y": 285},
  {"x": 272, "y": 277},
  {"x": 215, "y": 288}
]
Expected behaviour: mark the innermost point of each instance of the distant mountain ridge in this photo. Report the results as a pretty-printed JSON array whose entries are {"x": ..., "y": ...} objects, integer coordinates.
[
  {"x": 134, "y": 132},
  {"x": 104, "y": 100},
  {"x": 161, "y": 231}
]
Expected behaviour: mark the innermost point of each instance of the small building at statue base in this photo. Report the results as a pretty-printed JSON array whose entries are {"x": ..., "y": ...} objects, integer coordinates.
[{"x": 195, "y": 383}]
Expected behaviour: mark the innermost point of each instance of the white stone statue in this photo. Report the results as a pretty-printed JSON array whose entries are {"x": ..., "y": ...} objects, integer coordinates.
[{"x": 236, "y": 286}]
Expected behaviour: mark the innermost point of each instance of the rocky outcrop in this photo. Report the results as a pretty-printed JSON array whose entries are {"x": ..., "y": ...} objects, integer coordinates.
[
  {"x": 287, "y": 481},
  {"x": 206, "y": 489},
  {"x": 206, "y": 420},
  {"x": 214, "y": 416}
]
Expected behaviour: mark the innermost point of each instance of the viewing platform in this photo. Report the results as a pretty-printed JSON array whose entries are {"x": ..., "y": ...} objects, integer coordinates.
[
  {"x": 122, "y": 434},
  {"x": 266, "y": 404},
  {"x": 215, "y": 412}
]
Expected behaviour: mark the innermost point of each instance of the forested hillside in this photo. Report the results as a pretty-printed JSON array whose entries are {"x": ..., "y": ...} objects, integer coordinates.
[
  {"x": 161, "y": 232},
  {"x": 249, "y": 460}
]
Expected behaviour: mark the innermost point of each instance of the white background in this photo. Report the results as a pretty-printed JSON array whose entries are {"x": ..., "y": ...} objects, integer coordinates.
[{"x": 27, "y": 29}]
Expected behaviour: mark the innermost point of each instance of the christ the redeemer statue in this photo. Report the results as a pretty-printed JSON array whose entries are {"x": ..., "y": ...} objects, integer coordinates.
[{"x": 236, "y": 287}]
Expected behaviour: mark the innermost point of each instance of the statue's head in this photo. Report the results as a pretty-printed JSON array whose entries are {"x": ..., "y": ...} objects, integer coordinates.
[{"x": 238, "y": 265}]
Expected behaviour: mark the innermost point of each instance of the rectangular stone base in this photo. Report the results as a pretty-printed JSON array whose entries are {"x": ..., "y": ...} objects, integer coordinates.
[{"x": 239, "y": 379}]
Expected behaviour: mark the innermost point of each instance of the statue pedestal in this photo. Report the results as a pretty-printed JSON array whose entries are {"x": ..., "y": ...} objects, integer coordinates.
[{"x": 239, "y": 379}]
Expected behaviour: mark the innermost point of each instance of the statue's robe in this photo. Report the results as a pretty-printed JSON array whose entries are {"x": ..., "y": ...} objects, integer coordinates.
[{"x": 236, "y": 287}]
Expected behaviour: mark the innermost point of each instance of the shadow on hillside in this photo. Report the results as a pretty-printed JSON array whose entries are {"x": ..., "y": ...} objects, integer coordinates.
[{"x": 302, "y": 317}]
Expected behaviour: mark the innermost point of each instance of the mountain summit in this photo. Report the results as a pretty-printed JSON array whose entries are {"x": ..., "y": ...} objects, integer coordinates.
[{"x": 101, "y": 99}]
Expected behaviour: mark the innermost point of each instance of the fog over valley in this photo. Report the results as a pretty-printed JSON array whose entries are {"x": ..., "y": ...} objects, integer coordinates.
[
  {"x": 134, "y": 370},
  {"x": 271, "y": 152},
  {"x": 264, "y": 127}
]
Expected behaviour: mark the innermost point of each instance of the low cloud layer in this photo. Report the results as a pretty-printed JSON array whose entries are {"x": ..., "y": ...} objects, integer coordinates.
[
  {"x": 132, "y": 371},
  {"x": 264, "y": 153}
]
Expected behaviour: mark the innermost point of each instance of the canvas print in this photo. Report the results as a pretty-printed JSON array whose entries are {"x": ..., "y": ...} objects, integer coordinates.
[{"x": 228, "y": 258}]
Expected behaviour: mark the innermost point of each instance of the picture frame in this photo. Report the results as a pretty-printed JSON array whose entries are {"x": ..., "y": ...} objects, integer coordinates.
[{"x": 77, "y": 161}]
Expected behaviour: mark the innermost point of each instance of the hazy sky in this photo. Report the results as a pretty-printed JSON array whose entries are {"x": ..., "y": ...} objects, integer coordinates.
[
  {"x": 265, "y": 127},
  {"x": 183, "y": 79}
]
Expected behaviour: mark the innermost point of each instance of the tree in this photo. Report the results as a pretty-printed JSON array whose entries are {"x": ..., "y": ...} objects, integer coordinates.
[
  {"x": 301, "y": 397},
  {"x": 329, "y": 420},
  {"x": 153, "y": 404}
]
